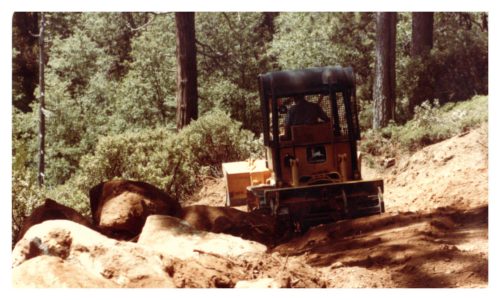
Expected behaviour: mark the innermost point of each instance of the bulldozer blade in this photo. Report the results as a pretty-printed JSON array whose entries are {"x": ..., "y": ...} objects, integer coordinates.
[{"x": 325, "y": 203}]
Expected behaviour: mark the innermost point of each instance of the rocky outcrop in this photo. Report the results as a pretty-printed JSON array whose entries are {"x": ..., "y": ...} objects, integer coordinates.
[
  {"x": 55, "y": 272},
  {"x": 176, "y": 238},
  {"x": 61, "y": 253},
  {"x": 120, "y": 207},
  {"x": 51, "y": 210}
]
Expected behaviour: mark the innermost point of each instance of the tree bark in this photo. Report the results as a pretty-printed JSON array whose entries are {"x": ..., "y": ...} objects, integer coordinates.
[
  {"x": 421, "y": 44},
  {"x": 24, "y": 65},
  {"x": 422, "y": 27},
  {"x": 41, "y": 131},
  {"x": 187, "y": 93},
  {"x": 384, "y": 87}
]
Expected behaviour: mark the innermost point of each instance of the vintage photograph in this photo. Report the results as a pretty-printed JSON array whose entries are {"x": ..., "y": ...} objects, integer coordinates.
[{"x": 251, "y": 149}]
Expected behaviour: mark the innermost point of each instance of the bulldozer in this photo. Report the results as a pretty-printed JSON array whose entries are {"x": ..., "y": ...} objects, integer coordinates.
[{"x": 311, "y": 173}]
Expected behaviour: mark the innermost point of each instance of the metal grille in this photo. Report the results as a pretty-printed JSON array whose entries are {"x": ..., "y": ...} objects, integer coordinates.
[
  {"x": 342, "y": 116},
  {"x": 324, "y": 103},
  {"x": 354, "y": 110},
  {"x": 288, "y": 103}
]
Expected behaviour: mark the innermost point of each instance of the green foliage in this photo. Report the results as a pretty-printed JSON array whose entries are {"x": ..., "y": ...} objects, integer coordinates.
[
  {"x": 320, "y": 39},
  {"x": 456, "y": 69},
  {"x": 26, "y": 195},
  {"x": 240, "y": 104},
  {"x": 113, "y": 32},
  {"x": 146, "y": 95},
  {"x": 431, "y": 123},
  {"x": 171, "y": 161},
  {"x": 232, "y": 51}
]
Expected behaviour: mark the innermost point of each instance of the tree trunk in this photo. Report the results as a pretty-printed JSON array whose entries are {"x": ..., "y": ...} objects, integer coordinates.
[
  {"x": 384, "y": 87},
  {"x": 421, "y": 33},
  {"x": 24, "y": 65},
  {"x": 187, "y": 93},
  {"x": 421, "y": 45},
  {"x": 41, "y": 131}
]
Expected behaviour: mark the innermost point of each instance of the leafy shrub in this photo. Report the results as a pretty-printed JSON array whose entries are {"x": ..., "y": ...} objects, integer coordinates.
[
  {"x": 241, "y": 104},
  {"x": 28, "y": 195},
  {"x": 431, "y": 123},
  {"x": 171, "y": 161}
]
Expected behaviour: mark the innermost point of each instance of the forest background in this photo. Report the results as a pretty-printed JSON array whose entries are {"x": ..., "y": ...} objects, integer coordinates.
[{"x": 110, "y": 90}]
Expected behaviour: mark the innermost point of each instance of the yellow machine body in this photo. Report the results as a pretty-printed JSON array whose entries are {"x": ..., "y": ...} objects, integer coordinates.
[{"x": 312, "y": 172}]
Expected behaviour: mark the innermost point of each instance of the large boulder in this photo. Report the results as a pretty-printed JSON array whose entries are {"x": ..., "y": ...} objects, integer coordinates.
[
  {"x": 174, "y": 237},
  {"x": 60, "y": 250},
  {"x": 120, "y": 207},
  {"x": 54, "y": 272},
  {"x": 250, "y": 226},
  {"x": 51, "y": 210}
]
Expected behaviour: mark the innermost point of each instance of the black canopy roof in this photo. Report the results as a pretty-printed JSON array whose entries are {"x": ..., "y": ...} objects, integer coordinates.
[{"x": 306, "y": 81}]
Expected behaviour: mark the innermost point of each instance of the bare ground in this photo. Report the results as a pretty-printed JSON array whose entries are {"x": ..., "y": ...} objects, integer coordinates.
[{"x": 434, "y": 233}]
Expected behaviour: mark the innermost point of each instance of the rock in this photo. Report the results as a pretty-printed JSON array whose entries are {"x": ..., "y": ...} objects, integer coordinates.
[
  {"x": 54, "y": 272},
  {"x": 88, "y": 254},
  {"x": 120, "y": 207},
  {"x": 258, "y": 283},
  {"x": 389, "y": 162},
  {"x": 446, "y": 159},
  {"x": 51, "y": 210},
  {"x": 251, "y": 226},
  {"x": 174, "y": 237}
]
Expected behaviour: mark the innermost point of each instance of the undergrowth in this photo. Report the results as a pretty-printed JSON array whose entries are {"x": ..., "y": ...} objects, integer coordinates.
[{"x": 431, "y": 123}]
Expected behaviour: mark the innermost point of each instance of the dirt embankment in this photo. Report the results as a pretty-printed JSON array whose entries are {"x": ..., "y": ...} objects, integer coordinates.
[
  {"x": 450, "y": 173},
  {"x": 434, "y": 234}
]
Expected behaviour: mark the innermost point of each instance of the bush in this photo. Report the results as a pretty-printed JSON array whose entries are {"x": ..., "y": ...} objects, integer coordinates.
[
  {"x": 172, "y": 161},
  {"x": 431, "y": 123},
  {"x": 28, "y": 195}
]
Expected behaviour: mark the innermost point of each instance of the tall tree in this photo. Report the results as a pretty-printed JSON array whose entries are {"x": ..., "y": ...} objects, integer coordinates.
[
  {"x": 421, "y": 45},
  {"x": 384, "y": 86},
  {"x": 24, "y": 63},
  {"x": 187, "y": 86},
  {"x": 421, "y": 33},
  {"x": 41, "y": 46}
]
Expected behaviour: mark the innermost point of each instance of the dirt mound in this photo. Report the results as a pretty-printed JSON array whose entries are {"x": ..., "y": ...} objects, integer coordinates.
[
  {"x": 212, "y": 193},
  {"x": 54, "y": 272},
  {"x": 435, "y": 233},
  {"x": 450, "y": 173},
  {"x": 414, "y": 249}
]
